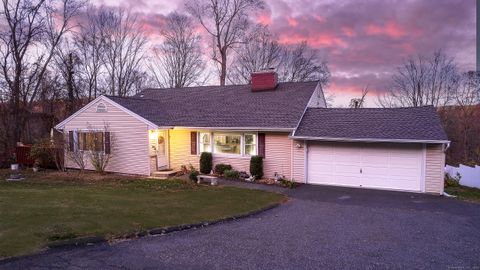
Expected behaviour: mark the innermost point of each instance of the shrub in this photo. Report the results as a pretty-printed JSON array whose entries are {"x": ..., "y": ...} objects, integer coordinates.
[
  {"x": 184, "y": 169},
  {"x": 231, "y": 174},
  {"x": 452, "y": 181},
  {"x": 205, "y": 162},
  {"x": 288, "y": 183},
  {"x": 193, "y": 175},
  {"x": 256, "y": 166},
  {"x": 221, "y": 168},
  {"x": 41, "y": 154}
]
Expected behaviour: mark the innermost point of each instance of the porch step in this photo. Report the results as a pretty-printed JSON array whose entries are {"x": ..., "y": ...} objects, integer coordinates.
[{"x": 163, "y": 174}]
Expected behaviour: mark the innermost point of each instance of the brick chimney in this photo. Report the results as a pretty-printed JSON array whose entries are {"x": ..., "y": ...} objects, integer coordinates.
[{"x": 264, "y": 80}]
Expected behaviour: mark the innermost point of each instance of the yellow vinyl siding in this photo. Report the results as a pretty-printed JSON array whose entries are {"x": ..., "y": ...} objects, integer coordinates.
[
  {"x": 179, "y": 140},
  {"x": 277, "y": 151},
  {"x": 435, "y": 163},
  {"x": 129, "y": 138}
]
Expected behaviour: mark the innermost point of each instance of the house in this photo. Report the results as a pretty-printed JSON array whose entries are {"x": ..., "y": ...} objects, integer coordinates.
[{"x": 286, "y": 123}]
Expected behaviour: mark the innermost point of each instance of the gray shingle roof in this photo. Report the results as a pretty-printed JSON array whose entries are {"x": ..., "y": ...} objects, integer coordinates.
[
  {"x": 222, "y": 106},
  {"x": 414, "y": 123}
]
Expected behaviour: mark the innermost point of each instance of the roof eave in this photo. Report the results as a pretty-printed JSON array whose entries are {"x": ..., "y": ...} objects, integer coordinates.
[
  {"x": 335, "y": 139},
  {"x": 278, "y": 129},
  {"x": 61, "y": 125}
]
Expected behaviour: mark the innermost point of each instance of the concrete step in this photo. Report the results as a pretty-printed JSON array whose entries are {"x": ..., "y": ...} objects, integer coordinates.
[{"x": 163, "y": 174}]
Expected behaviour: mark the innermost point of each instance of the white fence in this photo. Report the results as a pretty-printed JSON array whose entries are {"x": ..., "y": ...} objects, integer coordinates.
[{"x": 470, "y": 175}]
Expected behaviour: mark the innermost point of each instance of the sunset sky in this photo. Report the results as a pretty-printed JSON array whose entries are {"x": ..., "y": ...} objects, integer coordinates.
[{"x": 363, "y": 41}]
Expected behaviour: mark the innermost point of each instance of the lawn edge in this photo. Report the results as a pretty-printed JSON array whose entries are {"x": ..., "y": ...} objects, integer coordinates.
[
  {"x": 95, "y": 240},
  {"x": 166, "y": 230}
]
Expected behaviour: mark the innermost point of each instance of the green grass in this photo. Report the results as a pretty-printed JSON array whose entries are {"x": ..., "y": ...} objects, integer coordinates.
[
  {"x": 464, "y": 193},
  {"x": 50, "y": 207}
]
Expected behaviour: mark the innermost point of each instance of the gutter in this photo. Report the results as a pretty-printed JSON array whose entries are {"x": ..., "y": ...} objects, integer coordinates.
[
  {"x": 236, "y": 128},
  {"x": 340, "y": 139}
]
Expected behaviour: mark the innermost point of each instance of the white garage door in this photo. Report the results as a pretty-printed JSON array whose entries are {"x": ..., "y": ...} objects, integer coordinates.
[{"x": 382, "y": 166}]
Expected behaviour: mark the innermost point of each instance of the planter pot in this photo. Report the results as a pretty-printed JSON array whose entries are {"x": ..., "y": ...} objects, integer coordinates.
[
  {"x": 14, "y": 167},
  {"x": 35, "y": 169}
]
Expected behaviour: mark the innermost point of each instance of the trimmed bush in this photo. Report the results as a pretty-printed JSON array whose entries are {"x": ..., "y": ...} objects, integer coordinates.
[
  {"x": 256, "y": 166},
  {"x": 206, "y": 163},
  {"x": 193, "y": 175},
  {"x": 221, "y": 168},
  {"x": 231, "y": 174}
]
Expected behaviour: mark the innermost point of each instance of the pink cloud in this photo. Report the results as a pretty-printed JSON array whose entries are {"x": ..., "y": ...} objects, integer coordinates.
[
  {"x": 292, "y": 22},
  {"x": 390, "y": 29},
  {"x": 355, "y": 37},
  {"x": 264, "y": 19},
  {"x": 348, "y": 31},
  {"x": 318, "y": 40}
]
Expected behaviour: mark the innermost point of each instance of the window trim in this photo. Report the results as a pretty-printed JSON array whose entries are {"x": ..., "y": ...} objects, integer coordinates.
[
  {"x": 199, "y": 141},
  {"x": 256, "y": 143},
  {"x": 76, "y": 139},
  {"x": 242, "y": 143},
  {"x": 227, "y": 154}
]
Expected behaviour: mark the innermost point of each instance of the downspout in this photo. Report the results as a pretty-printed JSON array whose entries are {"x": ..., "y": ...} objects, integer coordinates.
[{"x": 446, "y": 146}]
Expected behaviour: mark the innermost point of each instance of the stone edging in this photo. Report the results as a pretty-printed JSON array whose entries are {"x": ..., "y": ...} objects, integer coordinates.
[{"x": 91, "y": 240}]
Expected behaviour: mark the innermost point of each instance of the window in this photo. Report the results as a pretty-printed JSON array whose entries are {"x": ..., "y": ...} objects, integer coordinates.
[
  {"x": 90, "y": 141},
  {"x": 101, "y": 108},
  {"x": 205, "y": 143},
  {"x": 227, "y": 143},
  {"x": 250, "y": 144}
]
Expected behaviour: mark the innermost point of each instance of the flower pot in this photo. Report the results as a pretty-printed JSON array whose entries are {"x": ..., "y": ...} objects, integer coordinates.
[
  {"x": 14, "y": 167},
  {"x": 35, "y": 169}
]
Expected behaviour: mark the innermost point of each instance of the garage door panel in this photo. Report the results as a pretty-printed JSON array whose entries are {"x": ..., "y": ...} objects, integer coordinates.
[
  {"x": 383, "y": 166},
  {"x": 372, "y": 171},
  {"x": 346, "y": 179},
  {"x": 397, "y": 172},
  {"x": 347, "y": 169}
]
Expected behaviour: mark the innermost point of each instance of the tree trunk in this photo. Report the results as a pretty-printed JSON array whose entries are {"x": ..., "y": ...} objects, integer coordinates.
[
  {"x": 71, "y": 96},
  {"x": 223, "y": 67}
]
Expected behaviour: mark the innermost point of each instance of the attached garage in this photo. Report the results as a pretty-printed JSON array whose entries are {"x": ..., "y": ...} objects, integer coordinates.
[
  {"x": 369, "y": 165},
  {"x": 392, "y": 149}
]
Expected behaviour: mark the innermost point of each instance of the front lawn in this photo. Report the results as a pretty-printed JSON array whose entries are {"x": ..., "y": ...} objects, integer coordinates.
[
  {"x": 464, "y": 193},
  {"x": 50, "y": 206}
]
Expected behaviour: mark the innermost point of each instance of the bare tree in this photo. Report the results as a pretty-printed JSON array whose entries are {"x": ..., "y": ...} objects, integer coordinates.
[
  {"x": 100, "y": 156},
  {"x": 72, "y": 151},
  {"x": 259, "y": 52},
  {"x": 226, "y": 21},
  {"x": 359, "y": 102},
  {"x": 423, "y": 81},
  {"x": 124, "y": 44},
  {"x": 467, "y": 97},
  {"x": 179, "y": 61},
  {"x": 67, "y": 63},
  {"x": 31, "y": 33},
  {"x": 89, "y": 45},
  {"x": 302, "y": 63},
  {"x": 293, "y": 63}
]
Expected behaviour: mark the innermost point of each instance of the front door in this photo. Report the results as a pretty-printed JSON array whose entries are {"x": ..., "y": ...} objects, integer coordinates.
[{"x": 162, "y": 159}]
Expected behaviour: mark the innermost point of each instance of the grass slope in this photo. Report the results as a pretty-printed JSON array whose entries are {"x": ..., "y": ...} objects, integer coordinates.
[
  {"x": 52, "y": 207},
  {"x": 465, "y": 193}
]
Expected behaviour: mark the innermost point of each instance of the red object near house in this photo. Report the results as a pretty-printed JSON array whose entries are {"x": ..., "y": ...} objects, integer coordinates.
[
  {"x": 264, "y": 80},
  {"x": 22, "y": 154}
]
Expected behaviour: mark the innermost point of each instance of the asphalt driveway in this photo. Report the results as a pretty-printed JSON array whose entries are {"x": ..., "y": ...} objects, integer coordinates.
[{"x": 319, "y": 228}]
